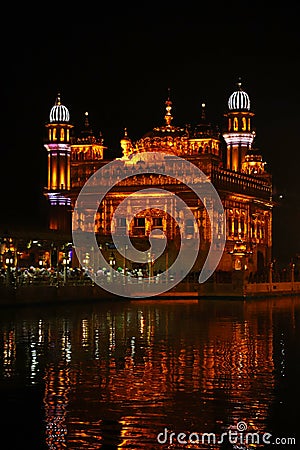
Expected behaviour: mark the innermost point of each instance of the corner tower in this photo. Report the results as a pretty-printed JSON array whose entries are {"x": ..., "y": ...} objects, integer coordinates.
[
  {"x": 59, "y": 166},
  {"x": 239, "y": 132}
]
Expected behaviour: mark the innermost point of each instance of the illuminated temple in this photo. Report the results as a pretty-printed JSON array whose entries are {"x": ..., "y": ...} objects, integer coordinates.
[{"x": 228, "y": 158}]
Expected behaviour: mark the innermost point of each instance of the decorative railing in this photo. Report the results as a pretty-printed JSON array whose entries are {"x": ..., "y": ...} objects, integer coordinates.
[{"x": 240, "y": 183}]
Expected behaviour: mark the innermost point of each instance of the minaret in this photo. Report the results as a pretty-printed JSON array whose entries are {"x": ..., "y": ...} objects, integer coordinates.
[
  {"x": 240, "y": 133},
  {"x": 59, "y": 166}
]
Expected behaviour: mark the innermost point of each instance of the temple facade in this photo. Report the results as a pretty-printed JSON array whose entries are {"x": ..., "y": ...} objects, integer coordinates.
[{"x": 226, "y": 156}]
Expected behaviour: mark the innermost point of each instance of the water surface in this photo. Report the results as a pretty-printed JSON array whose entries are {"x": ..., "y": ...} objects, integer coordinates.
[{"x": 116, "y": 375}]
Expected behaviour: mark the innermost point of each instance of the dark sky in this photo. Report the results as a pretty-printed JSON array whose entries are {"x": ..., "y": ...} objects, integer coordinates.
[{"x": 118, "y": 66}]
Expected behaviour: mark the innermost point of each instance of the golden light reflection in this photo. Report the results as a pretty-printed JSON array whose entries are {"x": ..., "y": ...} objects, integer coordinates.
[
  {"x": 9, "y": 353},
  {"x": 85, "y": 333},
  {"x": 56, "y": 398}
]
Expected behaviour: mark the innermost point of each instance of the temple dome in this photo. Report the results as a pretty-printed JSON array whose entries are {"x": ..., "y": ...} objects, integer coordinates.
[
  {"x": 167, "y": 138},
  {"x": 239, "y": 100},
  {"x": 59, "y": 113}
]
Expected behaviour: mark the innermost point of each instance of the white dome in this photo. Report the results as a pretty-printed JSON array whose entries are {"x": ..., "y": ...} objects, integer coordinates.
[
  {"x": 239, "y": 100},
  {"x": 59, "y": 113}
]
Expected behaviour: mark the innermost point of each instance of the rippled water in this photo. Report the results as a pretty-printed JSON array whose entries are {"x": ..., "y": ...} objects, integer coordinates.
[{"x": 116, "y": 375}]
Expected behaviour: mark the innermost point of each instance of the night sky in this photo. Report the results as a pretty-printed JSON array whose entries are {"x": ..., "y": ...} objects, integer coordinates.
[{"x": 118, "y": 66}]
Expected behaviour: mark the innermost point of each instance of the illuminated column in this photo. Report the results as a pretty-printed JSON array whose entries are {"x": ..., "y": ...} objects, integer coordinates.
[
  {"x": 269, "y": 236},
  {"x": 58, "y": 147},
  {"x": 49, "y": 171},
  {"x": 239, "y": 134},
  {"x": 68, "y": 171}
]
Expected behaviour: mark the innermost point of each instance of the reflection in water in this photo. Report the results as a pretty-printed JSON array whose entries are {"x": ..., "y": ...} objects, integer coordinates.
[
  {"x": 115, "y": 375},
  {"x": 56, "y": 399},
  {"x": 9, "y": 353}
]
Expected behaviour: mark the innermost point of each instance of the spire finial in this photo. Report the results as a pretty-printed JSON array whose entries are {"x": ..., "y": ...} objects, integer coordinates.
[
  {"x": 58, "y": 99},
  {"x": 203, "y": 112},
  {"x": 86, "y": 120},
  {"x": 239, "y": 83},
  {"x": 168, "y": 115}
]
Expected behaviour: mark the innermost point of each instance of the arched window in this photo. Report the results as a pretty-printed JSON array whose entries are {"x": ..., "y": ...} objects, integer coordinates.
[
  {"x": 263, "y": 231},
  {"x": 62, "y": 134},
  {"x": 236, "y": 226},
  {"x": 242, "y": 227},
  {"x": 229, "y": 124},
  {"x": 235, "y": 124},
  {"x": 244, "y": 126},
  {"x": 49, "y": 134},
  {"x": 54, "y": 134},
  {"x": 249, "y": 124},
  {"x": 230, "y": 227}
]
